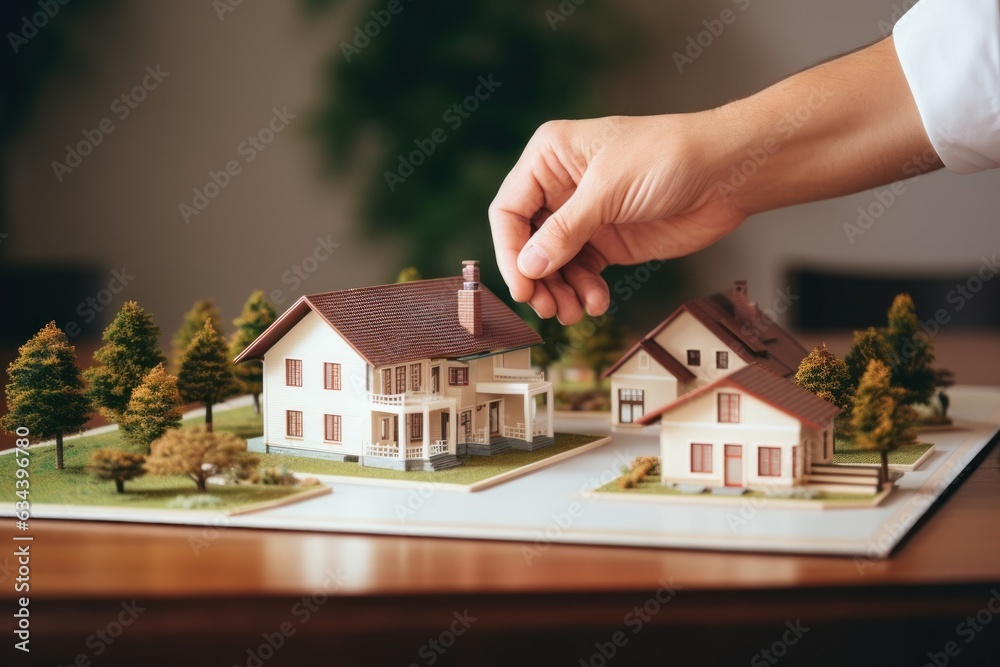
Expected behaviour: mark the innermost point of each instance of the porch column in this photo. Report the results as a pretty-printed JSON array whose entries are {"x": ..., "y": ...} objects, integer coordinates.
[
  {"x": 528, "y": 398},
  {"x": 452, "y": 429},
  {"x": 400, "y": 436},
  {"x": 550, "y": 410},
  {"x": 427, "y": 432}
]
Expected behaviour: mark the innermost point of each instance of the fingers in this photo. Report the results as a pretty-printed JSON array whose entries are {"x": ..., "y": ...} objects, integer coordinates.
[
  {"x": 563, "y": 234},
  {"x": 517, "y": 201},
  {"x": 584, "y": 276}
]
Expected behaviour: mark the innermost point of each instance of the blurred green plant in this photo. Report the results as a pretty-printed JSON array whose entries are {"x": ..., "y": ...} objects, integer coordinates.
[{"x": 399, "y": 83}]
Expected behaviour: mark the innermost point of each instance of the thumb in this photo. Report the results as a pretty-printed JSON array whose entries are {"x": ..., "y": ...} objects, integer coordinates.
[{"x": 562, "y": 235}]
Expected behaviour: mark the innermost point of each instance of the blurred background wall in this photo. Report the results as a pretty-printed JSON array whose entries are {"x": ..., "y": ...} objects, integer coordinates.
[{"x": 227, "y": 69}]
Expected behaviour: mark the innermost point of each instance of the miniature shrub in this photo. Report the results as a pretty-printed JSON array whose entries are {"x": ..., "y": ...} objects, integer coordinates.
[
  {"x": 117, "y": 466},
  {"x": 278, "y": 476},
  {"x": 651, "y": 462},
  {"x": 642, "y": 466}
]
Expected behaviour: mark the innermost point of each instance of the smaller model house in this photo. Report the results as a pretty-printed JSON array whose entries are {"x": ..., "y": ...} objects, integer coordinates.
[
  {"x": 750, "y": 429},
  {"x": 701, "y": 341},
  {"x": 402, "y": 376}
]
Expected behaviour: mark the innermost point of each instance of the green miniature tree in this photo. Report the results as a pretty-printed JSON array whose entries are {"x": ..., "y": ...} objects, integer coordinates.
[
  {"x": 408, "y": 275},
  {"x": 911, "y": 352},
  {"x": 114, "y": 464},
  {"x": 258, "y": 314},
  {"x": 207, "y": 375},
  {"x": 46, "y": 392},
  {"x": 194, "y": 320},
  {"x": 196, "y": 453},
  {"x": 154, "y": 408},
  {"x": 826, "y": 375},
  {"x": 880, "y": 419},
  {"x": 554, "y": 339},
  {"x": 869, "y": 345},
  {"x": 130, "y": 350}
]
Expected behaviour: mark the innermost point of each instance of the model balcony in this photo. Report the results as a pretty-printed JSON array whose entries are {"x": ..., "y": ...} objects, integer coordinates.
[
  {"x": 518, "y": 375},
  {"x": 410, "y": 401}
]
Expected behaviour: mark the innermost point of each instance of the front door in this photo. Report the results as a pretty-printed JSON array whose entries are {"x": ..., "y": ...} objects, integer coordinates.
[
  {"x": 444, "y": 425},
  {"x": 734, "y": 465},
  {"x": 494, "y": 417},
  {"x": 465, "y": 424}
]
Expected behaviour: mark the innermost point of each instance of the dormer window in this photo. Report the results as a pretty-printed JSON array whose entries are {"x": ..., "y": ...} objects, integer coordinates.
[
  {"x": 722, "y": 360},
  {"x": 694, "y": 357}
]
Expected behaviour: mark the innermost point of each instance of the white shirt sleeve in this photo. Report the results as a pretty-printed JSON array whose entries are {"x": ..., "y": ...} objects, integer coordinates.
[{"x": 950, "y": 53}]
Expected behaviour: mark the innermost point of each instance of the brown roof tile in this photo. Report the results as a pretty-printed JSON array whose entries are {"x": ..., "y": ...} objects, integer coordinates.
[
  {"x": 389, "y": 324},
  {"x": 769, "y": 387}
]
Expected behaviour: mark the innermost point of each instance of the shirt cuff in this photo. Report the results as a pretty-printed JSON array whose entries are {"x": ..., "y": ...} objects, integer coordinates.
[{"x": 950, "y": 54}]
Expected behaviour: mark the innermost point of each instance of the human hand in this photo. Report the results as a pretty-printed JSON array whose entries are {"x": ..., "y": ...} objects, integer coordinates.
[{"x": 589, "y": 193}]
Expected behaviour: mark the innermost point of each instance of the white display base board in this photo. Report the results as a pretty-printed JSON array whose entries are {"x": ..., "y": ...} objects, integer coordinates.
[{"x": 555, "y": 505}]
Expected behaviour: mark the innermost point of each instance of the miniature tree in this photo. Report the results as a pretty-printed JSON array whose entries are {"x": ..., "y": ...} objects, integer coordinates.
[
  {"x": 130, "y": 350},
  {"x": 825, "y": 375},
  {"x": 408, "y": 275},
  {"x": 207, "y": 375},
  {"x": 258, "y": 314},
  {"x": 194, "y": 320},
  {"x": 46, "y": 392},
  {"x": 880, "y": 419},
  {"x": 114, "y": 464},
  {"x": 869, "y": 345},
  {"x": 911, "y": 352},
  {"x": 154, "y": 408},
  {"x": 196, "y": 453}
]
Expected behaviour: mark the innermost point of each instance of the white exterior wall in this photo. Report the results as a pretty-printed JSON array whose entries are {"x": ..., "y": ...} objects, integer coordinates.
[
  {"x": 761, "y": 425},
  {"x": 658, "y": 385},
  {"x": 687, "y": 333},
  {"x": 314, "y": 342}
]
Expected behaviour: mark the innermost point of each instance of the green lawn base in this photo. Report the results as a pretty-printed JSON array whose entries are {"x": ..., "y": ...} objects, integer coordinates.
[
  {"x": 75, "y": 486},
  {"x": 473, "y": 473},
  {"x": 905, "y": 456}
]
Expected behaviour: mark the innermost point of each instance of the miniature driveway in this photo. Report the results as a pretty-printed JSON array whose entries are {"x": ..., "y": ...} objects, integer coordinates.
[{"x": 553, "y": 504}]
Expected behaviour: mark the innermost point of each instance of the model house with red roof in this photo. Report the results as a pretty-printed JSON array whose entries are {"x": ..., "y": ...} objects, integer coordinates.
[
  {"x": 750, "y": 429},
  {"x": 403, "y": 376},
  {"x": 702, "y": 341}
]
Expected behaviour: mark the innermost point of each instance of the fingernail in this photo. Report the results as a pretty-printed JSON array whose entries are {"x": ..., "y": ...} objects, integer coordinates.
[{"x": 533, "y": 261}]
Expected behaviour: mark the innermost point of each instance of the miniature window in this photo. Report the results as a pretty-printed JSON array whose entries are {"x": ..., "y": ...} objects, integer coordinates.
[
  {"x": 415, "y": 377},
  {"x": 436, "y": 379},
  {"x": 416, "y": 427},
  {"x": 331, "y": 376},
  {"x": 332, "y": 428},
  {"x": 631, "y": 405},
  {"x": 293, "y": 423},
  {"x": 701, "y": 457},
  {"x": 293, "y": 372},
  {"x": 385, "y": 428},
  {"x": 729, "y": 408},
  {"x": 458, "y": 376},
  {"x": 769, "y": 461},
  {"x": 795, "y": 461},
  {"x": 722, "y": 360},
  {"x": 643, "y": 361},
  {"x": 694, "y": 357},
  {"x": 400, "y": 379}
]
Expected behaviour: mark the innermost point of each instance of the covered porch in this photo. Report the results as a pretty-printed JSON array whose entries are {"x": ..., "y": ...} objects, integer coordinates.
[
  {"x": 411, "y": 431},
  {"x": 508, "y": 412}
]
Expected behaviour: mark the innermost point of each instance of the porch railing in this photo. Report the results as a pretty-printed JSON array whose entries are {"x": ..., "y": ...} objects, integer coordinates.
[
  {"x": 383, "y": 449},
  {"x": 518, "y": 374},
  {"x": 398, "y": 400},
  {"x": 439, "y": 447},
  {"x": 479, "y": 437},
  {"x": 415, "y": 452},
  {"x": 514, "y": 432}
]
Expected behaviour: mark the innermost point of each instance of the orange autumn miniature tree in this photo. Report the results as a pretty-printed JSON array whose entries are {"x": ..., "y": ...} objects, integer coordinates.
[
  {"x": 195, "y": 453},
  {"x": 116, "y": 465},
  {"x": 880, "y": 420},
  {"x": 155, "y": 407},
  {"x": 46, "y": 394}
]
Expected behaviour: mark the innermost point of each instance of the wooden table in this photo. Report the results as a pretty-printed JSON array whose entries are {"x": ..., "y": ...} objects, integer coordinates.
[{"x": 380, "y": 600}]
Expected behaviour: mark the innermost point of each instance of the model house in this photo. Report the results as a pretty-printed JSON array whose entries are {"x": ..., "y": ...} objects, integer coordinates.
[
  {"x": 402, "y": 376},
  {"x": 700, "y": 342},
  {"x": 749, "y": 429}
]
